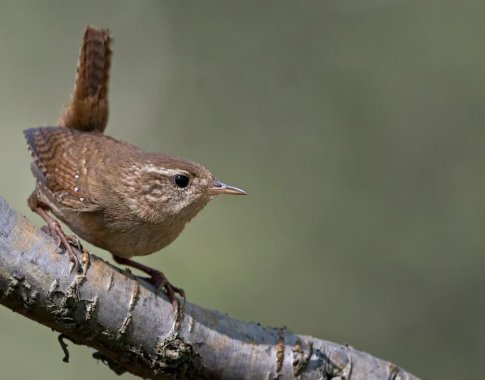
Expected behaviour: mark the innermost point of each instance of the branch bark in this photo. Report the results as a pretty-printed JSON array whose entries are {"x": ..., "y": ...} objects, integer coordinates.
[{"x": 135, "y": 330}]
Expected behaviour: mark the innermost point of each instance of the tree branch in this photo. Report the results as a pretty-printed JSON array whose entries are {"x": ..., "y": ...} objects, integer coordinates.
[{"x": 135, "y": 330}]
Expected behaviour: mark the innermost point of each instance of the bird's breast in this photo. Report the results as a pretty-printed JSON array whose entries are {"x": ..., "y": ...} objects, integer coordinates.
[{"x": 125, "y": 239}]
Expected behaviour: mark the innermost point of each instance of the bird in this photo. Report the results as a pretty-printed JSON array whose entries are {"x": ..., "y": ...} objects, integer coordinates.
[{"x": 109, "y": 192}]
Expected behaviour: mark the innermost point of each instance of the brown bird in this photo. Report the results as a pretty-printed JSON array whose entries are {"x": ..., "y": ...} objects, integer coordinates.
[{"x": 109, "y": 192}]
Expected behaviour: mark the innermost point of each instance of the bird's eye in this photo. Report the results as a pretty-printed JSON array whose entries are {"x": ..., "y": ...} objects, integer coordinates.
[{"x": 181, "y": 180}]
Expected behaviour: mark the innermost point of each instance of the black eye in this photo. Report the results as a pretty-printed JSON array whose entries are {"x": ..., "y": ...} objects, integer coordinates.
[{"x": 181, "y": 180}]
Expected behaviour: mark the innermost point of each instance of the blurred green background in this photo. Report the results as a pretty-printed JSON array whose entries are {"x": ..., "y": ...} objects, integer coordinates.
[{"x": 357, "y": 127}]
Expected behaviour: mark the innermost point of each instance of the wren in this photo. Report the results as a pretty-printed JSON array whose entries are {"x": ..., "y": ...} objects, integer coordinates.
[{"x": 109, "y": 192}]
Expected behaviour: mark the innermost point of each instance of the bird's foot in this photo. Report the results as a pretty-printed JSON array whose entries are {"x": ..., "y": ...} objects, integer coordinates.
[
  {"x": 75, "y": 242},
  {"x": 157, "y": 278},
  {"x": 160, "y": 281},
  {"x": 54, "y": 230}
]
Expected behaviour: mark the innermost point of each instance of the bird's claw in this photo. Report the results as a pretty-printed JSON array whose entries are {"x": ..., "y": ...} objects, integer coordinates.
[
  {"x": 55, "y": 231},
  {"x": 160, "y": 281},
  {"x": 157, "y": 279}
]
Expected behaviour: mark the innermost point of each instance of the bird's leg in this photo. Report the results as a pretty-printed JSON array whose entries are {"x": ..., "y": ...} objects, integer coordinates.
[
  {"x": 157, "y": 278},
  {"x": 54, "y": 229}
]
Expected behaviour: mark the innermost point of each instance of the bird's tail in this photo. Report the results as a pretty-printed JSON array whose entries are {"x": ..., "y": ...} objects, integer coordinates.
[{"x": 89, "y": 107}]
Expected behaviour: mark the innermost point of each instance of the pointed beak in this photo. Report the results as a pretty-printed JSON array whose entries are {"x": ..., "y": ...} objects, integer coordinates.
[{"x": 221, "y": 188}]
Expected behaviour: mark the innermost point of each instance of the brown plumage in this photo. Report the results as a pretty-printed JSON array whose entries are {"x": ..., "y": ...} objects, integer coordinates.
[
  {"x": 88, "y": 109},
  {"x": 111, "y": 193},
  {"x": 115, "y": 195}
]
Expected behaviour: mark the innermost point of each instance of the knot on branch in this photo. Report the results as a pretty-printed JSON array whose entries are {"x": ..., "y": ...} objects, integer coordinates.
[
  {"x": 336, "y": 362},
  {"x": 174, "y": 356},
  {"x": 18, "y": 286}
]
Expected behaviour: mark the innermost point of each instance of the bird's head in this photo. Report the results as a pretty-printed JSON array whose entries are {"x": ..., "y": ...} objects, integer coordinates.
[{"x": 171, "y": 188}]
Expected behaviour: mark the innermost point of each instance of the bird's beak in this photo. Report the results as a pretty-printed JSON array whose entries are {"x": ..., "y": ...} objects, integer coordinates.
[{"x": 221, "y": 188}]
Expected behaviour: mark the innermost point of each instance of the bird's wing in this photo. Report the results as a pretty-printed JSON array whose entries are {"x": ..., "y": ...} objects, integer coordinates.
[{"x": 58, "y": 167}]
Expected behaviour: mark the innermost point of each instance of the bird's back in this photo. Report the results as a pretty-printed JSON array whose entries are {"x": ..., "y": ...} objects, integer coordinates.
[{"x": 73, "y": 165}]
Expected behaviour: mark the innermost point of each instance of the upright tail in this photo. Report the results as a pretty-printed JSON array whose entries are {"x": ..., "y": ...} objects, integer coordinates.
[{"x": 89, "y": 107}]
